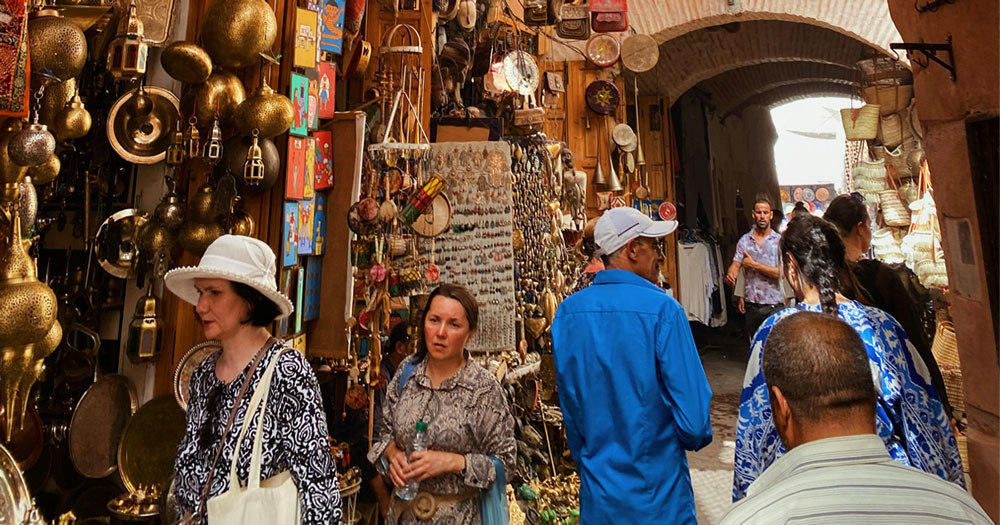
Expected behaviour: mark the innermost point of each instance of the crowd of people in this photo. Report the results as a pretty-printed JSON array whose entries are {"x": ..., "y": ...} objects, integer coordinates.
[{"x": 842, "y": 415}]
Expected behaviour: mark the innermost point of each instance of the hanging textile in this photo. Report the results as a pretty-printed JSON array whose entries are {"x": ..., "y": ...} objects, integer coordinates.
[{"x": 14, "y": 58}]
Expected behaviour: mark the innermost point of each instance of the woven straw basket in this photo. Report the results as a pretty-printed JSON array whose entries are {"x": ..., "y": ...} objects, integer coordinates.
[
  {"x": 890, "y": 99},
  {"x": 945, "y": 347},
  {"x": 860, "y": 123},
  {"x": 893, "y": 211}
]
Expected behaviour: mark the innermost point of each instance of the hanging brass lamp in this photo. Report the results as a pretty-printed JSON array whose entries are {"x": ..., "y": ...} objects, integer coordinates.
[
  {"x": 235, "y": 32},
  {"x": 146, "y": 329},
  {"x": 253, "y": 169},
  {"x": 127, "y": 53},
  {"x": 55, "y": 45},
  {"x": 268, "y": 112}
]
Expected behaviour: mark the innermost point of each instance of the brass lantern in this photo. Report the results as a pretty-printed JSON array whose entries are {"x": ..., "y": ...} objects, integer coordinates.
[
  {"x": 145, "y": 330},
  {"x": 253, "y": 169},
  {"x": 213, "y": 148},
  {"x": 176, "y": 151},
  {"x": 128, "y": 51},
  {"x": 192, "y": 138}
]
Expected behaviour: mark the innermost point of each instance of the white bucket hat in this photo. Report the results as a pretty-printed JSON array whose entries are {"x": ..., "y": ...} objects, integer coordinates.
[
  {"x": 236, "y": 258},
  {"x": 618, "y": 226}
]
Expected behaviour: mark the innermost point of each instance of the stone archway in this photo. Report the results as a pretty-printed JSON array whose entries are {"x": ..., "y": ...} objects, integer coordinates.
[{"x": 732, "y": 89}]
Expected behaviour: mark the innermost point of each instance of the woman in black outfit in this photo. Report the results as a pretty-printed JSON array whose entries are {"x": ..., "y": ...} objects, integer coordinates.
[{"x": 877, "y": 284}]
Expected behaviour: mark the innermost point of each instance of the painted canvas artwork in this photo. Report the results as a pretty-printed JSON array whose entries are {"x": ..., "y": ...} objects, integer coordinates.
[
  {"x": 331, "y": 26},
  {"x": 310, "y": 169},
  {"x": 314, "y": 284},
  {"x": 295, "y": 173},
  {"x": 299, "y": 94},
  {"x": 305, "y": 227},
  {"x": 323, "y": 156},
  {"x": 327, "y": 84},
  {"x": 290, "y": 240},
  {"x": 307, "y": 32},
  {"x": 319, "y": 224}
]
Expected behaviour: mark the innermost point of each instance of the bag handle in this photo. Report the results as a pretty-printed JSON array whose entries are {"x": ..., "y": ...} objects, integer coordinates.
[{"x": 229, "y": 425}]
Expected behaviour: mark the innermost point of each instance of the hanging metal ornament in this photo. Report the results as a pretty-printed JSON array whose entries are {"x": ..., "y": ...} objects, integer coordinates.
[
  {"x": 33, "y": 144},
  {"x": 146, "y": 329},
  {"x": 253, "y": 169},
  {"x": 213, "y": 148},
  {"x": 128, "y": 51},
  {"x": 27, "y": 206},
  {"x": 192, "y": 138},
  {"x": 267, "y": 112},
  {"x": 175, "y": 151},
  {"x": 73, "y": 122},
  {"x": 170, "y": 211},
  {"x": 140, "y": 104}
]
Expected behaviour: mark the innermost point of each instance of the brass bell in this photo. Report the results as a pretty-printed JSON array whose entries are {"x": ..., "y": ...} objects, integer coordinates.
[
  {"x": 176, "y": 151},
  {"x": 73, "y": 122},
  {"x": 213, "y": 148},
  {"x": 192, "y": 138},
  {"x": 146, "y": 329},
  {"x": 253, "y": 169},
  {"x": 128, "y": 51}
]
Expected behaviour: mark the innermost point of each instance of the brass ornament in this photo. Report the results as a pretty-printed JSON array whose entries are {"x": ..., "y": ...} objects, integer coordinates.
[
  {"x": 149, "y": 442},
  {"x": 186, "y": 62},
  {"x": 139, "y": 104},
  {"x": 176, "y": 153},
  {"x": 223, "y": 91},
  {"x": 45, "y": 172},
  {"x": 155, "y": 238},
  {"x": 170, "y": 211},
  {"x": 12, "y": 172},
  {"x": 144, "y": 139},
  {"x": 213, "y": 147},
  {"x": 235, "y": 32},
  {"x": 128, "y": 52},
  {"x": 234, "y": 156},
  {"x": 253, "y": 168},
  {"x": 55, "y": 44},
  {"x": 54, "y": 100},
  {"x": 73, "y": 122},
  {"x": 118, "y": 242},
  {"x": 146, "y": 329},
  {"x": 32, "y": 145},
  {"x": 192, "y": 138},
  {"x": 27, "y": 206},
  {"x": 200, "y": 208},
  {"x": 195, "y": 237},
  {"x": 242, "y": 224},
  {"x": 549, "y": 305},
  {"x": 268, "y": 112}
]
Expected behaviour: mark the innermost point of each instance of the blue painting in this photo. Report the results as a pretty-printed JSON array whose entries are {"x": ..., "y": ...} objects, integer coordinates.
[
  {"x": 331, "y": 26},
  {"x": 290, "y": 242}
]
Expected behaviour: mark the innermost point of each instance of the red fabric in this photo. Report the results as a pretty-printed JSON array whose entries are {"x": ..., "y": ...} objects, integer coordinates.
[{"x": 14, "y": 86}]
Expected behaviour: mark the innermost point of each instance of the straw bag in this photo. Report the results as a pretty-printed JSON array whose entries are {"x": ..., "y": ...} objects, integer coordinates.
[
  {"x": 894, "y": 212},
  {"x": 945, "y": 350},
  {"x": 274, "y": 500},
  {"x": 887, "y": 247},
  {"x": 890, "y": 99},
  {"x": 860, "y": 123}
]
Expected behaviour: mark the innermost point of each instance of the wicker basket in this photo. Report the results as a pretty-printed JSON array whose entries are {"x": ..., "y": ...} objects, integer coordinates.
[
  {"x": 890, "y": 99},
  {"x": 945, "y": 347},
  {"x": 894, "y": 212},
  {"x": 963, "y": 450},
  {"x": 860, "y": 123}
]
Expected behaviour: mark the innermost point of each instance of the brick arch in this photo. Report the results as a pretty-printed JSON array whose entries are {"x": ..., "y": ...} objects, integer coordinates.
[
  {"x": 792, "y": 92},
  {"x": 699, "y": 55},
  {"x": 733, "y": 88},
  {"x": 867, "y": 21}
]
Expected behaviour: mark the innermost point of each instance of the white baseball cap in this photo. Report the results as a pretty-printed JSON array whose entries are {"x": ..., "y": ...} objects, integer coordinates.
[{"x": 618, "y": 226}]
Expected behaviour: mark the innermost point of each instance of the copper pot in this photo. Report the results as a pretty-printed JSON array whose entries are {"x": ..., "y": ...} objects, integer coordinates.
[
  {"x": 268, "y": 112},
  {"x": 235, "y": 32},
  {"x": 56, "y": 44},
  {"x": 187, "y": 62},
  {"x": 222, "y": 90}
]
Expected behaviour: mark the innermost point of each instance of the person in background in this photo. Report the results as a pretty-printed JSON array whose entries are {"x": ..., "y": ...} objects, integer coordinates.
[
  {"x": 909, "y": 416},
  {"x": 877, "y": 284},
  {"x": 836, "y": 470},
  {"x": 631, "y": 385},
  {"x": 757, "y": 255},
  {"x": 235, "y": 296},
  {"x": 469, "y": 428},
  {"x": 397, "y": 350},
  {"x": 589, "y": 250}
]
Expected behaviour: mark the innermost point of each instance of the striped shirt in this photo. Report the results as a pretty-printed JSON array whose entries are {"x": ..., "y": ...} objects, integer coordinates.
[{"x": 851, "y": 479}]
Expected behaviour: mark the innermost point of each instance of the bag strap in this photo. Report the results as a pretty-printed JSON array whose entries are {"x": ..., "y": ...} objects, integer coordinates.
[
  {"x": 258, "y": 400},
  {"x": 229, "y": 424},
  {"x": 405, "y": 374}
]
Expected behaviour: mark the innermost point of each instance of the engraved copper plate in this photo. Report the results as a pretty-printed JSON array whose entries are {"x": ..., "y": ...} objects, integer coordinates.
[
  {"x": 148, "y": 446},
  {"x": 157, "y": 19},
  {"x": 15, "y": 503},
  {"x": 186, "y": 367},
  {"x": 97, "y": 425}
]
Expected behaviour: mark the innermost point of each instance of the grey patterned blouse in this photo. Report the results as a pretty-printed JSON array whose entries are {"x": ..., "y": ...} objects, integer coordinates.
[{"x": 466, "y": 414}]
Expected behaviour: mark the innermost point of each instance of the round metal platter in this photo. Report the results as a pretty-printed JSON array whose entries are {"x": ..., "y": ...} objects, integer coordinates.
[
  {"x": 148, "y": 447},
  {"x": 435, "y": 219},
  {"x": 640, "y": 53},
  {"x": 603, "y": 50},
  {"x": 131, "y": 220},
  {"x": 27, "y": 443},
  {"x": 15, "y": 502},
  {"x": 97, "y": 425},
  {"x": 186, "y": 367},
  {"x": 143, "y": 141},
  {"x": 603, "y": 97}
]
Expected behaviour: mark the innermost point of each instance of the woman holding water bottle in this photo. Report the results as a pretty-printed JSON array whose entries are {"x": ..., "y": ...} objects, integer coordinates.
[{"x": 447, "y": 430}]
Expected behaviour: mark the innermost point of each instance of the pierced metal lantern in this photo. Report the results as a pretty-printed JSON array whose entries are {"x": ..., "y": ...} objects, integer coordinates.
[
  {"x": 128, "y": 51},
  {"x": 146, "y": 330},
  {"x": 192, "y": 138},
  {"x": 213, "y": 148},
  {"x": 253, "y": 169},
  {"x": 176, "y": 151}
]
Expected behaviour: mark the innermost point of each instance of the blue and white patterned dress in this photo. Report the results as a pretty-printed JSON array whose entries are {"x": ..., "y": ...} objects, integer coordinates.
[{"x": 909, "y": 416}]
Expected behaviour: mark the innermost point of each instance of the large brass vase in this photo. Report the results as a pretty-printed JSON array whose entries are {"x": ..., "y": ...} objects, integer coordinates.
[{"x": 235, "y": 32}]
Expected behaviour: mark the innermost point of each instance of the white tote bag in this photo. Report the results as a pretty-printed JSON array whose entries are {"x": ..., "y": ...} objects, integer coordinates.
[{"x": 274, "y": 501}]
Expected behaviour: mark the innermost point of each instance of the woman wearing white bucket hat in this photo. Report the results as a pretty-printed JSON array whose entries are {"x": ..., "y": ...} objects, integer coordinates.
[{"x": 235, "y": 297}]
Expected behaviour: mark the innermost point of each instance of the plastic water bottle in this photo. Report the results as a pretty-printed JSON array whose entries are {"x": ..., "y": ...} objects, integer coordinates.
[{"x": 409, "y": 491}]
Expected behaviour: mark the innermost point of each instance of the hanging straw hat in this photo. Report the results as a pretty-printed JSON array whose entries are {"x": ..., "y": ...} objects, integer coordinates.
[{"x": 235, "y": 258}]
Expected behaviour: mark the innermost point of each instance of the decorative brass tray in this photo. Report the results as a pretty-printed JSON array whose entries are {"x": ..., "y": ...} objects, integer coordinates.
[
  {"x": 186, "y": 367},
  {"x": 15, "y": 502},
  {"x": 97, "y": 425},
  {"x": 148, "y": 446}
]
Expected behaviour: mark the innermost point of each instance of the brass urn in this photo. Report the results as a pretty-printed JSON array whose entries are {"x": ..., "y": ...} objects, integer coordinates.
[
  {"x": 73, "y": 122},
  {"x": 222, "y": 91},
  {"x": 45, "y": 172},
  {"x": 235, "y": 32},
  {"x": 268, "y": 112},
  {"x": 187, "y": 62},
  {"x": 56, "y": 44},
  {"x": 195, "y": 236}
]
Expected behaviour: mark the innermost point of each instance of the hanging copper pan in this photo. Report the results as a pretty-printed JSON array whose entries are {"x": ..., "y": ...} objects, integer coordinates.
[{"x": 603, "y": 97}]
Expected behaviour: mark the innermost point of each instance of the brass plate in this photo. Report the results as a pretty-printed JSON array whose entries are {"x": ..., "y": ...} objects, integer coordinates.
[
  {"x": 97, "y": 425},
  {"x": 15, "y": 502},
  {"x": 148, "y": 447},
  {"x": 157, "y": 18},
  {"x": 186, "y": 367},
  {"x": 116, "y": 245},
  {"x": 144, "y": 142}
]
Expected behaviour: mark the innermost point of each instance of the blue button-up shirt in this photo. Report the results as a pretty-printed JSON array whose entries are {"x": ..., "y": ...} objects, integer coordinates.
[{"x": 634, "y": 397}]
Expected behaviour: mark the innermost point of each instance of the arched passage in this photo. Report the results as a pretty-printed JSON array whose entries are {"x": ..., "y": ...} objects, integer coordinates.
[{"x": 734, "y": 88}]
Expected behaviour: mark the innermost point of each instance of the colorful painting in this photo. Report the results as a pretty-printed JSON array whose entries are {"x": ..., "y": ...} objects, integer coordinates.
[
  {"x": 305, "y": 37},
  {"x": 287, "y": 287},
  {"x": 323, "y": 156},
  {"x": 299, "y": 293},
  {"x": 295, "y": 172},
  {"x": 327, "y": 83},
  {"x": 290, "y": 240},
  {"x": 299, "y": 94},
  {"x": 331, "y": 26},
  {"x": 310, "y": 165},
  {"x": 305, "y": 227},
  {"x": 319, "y": 224},
  {"x": 312, "y": 110},
  {"x": 314, "y": 285}
]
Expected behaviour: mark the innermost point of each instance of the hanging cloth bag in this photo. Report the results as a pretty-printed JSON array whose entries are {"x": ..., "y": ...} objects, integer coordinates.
[{"x": 275, "y": 500}]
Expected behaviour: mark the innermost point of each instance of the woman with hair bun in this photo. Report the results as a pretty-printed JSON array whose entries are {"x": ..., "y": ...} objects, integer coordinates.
[{"x": 909, "y": 415}]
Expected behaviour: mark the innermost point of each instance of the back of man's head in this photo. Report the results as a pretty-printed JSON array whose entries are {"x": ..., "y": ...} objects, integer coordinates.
[{"x": 821, "y": 367}]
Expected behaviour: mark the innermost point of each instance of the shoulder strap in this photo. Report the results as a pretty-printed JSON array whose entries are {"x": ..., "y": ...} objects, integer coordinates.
[{"x": 404, "y": 375}]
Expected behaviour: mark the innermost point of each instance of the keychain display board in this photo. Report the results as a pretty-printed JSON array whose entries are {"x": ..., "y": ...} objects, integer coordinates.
[{"x": 476, "y": 250}]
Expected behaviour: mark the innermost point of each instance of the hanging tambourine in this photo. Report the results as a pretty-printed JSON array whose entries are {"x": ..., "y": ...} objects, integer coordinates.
[
  {"x": 356, "y": 221},
  {"x": 603, "y": 50},
  {"x": 521, "y": 72},
  {"x": 603, "y": 97},
  {"x": 435, "y": 219},
  {"x": 624, "y": 137},
  {"x": 640, "y": 53}
]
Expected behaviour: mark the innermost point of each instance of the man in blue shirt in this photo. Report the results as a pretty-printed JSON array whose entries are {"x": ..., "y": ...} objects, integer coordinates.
[{"x": 632, "y": 389}]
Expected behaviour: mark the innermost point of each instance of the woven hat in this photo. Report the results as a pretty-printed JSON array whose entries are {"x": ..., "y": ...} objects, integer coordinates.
[
  {"x": 618, "y": 226},
  {"x": 235, "y": 258}
]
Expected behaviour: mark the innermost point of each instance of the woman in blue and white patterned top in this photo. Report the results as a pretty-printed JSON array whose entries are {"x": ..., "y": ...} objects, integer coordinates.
[{"x": 909, "y": 417}]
